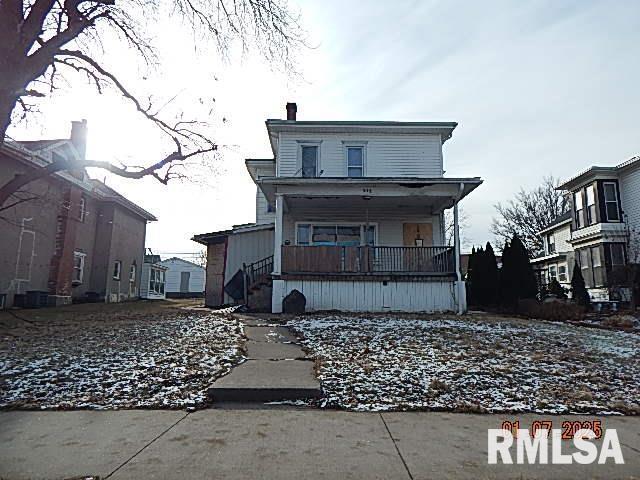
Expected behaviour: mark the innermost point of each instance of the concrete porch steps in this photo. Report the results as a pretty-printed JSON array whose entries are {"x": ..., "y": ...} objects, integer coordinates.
[{"x": 276, "y": 369}]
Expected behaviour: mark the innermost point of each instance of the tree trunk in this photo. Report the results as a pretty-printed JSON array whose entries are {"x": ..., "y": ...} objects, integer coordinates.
[{"x": 8, "y": 102}]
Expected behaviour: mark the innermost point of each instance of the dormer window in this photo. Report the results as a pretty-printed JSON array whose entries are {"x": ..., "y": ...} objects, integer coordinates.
[
  {"x": 611, "y": 201},
  {"x": 309, "y": 156},
  {"x": 551, "y": 243}
]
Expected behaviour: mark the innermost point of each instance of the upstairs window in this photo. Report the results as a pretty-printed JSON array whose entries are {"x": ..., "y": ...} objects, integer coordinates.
[
  {"x": 355, "y": 162},
  {"x": 117, "y": 269},
  {"x": 591, "y": 205},
  {"x": 611, "y": 201},
  {"x": 551, "y": 243},
  {"x": 309, "y": 155},
  {"x": 578, "y": 209}
]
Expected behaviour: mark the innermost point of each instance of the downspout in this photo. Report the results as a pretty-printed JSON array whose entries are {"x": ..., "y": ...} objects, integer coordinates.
[{"x": 460, "y": 290}]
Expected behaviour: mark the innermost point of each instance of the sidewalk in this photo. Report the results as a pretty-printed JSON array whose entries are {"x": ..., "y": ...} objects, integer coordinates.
[{"x": 276, "y": 444}]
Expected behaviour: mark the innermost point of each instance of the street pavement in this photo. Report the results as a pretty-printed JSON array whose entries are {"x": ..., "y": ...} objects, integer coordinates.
[{"x": 278, "y": 443}]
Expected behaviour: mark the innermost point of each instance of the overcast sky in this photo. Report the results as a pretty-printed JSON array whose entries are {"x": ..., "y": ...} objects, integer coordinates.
[{"x": 548, "y": 87}]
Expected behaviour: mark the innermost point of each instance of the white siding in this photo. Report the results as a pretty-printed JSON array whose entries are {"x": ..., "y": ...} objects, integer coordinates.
[
  {"x": 386, "y": 155},
  {"x": 630, "y": 196},
  {"x": 562, "y": 236},
  {"x": 375, "y": 296},
  {"x": 172, "y": 277},
  {"x": 247, "y": 247},
  {"x": 262, "y": 214}
]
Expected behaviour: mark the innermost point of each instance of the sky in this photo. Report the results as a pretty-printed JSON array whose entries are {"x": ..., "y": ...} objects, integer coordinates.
[{"x": 537, "y": 88}]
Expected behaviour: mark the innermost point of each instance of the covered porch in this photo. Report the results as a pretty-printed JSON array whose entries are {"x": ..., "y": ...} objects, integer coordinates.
[{"x": 329, "y": 231}]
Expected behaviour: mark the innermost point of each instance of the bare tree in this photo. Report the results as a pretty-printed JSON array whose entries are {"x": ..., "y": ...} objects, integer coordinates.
[
  {"x": 528, "y": 213},
  {"x": 463, "y": 226},
  {"x": 42, "y": 41}
]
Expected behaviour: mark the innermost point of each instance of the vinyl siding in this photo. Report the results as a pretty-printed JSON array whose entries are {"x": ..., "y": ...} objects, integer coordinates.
[
  {"x": 173, "y": 275},
  {"x": 374, "y": 296},
  {"x": 262, "y": 215},
  {"x": 562, "y": 236},
  {"x": 246, "y": 248},
  {"x": 630, "y": 194},
  {"x": 386, "y": 155}
]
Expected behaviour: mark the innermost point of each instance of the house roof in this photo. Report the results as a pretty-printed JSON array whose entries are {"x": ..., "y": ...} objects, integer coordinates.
[
  {"x": 172, "y": 259},
  {"x": 108, "y": 194},
  {"x": 32, "y": 152},
  {"x": 220, "y": 236},
  {"x": 275, "y": 126},
  {"x": 559, "y": 220},
  {"x": 595, "y": 171}
]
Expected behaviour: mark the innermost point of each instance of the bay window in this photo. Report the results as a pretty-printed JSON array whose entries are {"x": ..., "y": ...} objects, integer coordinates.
[
  {"x": 591, "y": 205},
  {"x": 578, "y": 209},
  {"x": 611, "y": 206}
]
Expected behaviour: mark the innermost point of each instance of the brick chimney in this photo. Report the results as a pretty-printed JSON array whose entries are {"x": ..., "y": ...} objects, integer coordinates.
[
  {"x": 292, "y": 109},
  {"x": 79, "y": 136}
]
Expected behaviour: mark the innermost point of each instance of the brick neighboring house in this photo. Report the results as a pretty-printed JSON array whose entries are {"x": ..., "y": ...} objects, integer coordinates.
[{"x": 75, "y": 240}]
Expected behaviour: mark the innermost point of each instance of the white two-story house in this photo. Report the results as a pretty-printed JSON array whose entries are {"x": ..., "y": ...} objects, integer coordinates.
[
  {"x": 601, "y": 232},
  {"x": 349, "y": 213}
]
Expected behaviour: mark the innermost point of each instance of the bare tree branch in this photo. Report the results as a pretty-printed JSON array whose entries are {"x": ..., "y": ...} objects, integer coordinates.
[{"x": 529, "y": 213}]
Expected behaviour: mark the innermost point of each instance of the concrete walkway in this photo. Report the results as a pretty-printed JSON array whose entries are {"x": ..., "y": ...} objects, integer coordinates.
[
  {"x": 276, "y": 367},
  {"x": 277, "y": 444}
]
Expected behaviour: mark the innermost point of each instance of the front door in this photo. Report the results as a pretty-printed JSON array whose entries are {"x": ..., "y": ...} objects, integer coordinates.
[
  {"x": 417, "y": 234},
  {"x": 184, "y": 282},
  {"x": 417, "y": 260}
]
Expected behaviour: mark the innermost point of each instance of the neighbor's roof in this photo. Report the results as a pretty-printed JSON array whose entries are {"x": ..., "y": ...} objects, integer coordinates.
[
  {"x": 108, "y": 194},
  {"x": 595, "y": 170},
  {"x": 39, "y": 145},
  {"x": 173, "y": 259},
  {"x": 559, "y": 220},
  {"x": 213, "y": 238}
]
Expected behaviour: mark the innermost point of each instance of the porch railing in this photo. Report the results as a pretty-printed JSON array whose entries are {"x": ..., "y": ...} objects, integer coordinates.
[
  {"x": 257, "y": 271},
  {"x": 368, "y": 260}
]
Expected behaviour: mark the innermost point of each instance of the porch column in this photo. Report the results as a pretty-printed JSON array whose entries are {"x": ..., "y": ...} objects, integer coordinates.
[
  {"x": 456, "y": 240},
  {"x": 277, "y": 248},
  {"x": 460, "y": 287},
  {"x": 277, "y": 293}
]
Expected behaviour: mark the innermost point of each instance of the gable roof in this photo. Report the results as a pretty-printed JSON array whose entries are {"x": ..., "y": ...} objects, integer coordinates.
[
  {"x": 108, "y": 194},
  {"x": 559, "y": 220},
  {"x": 173, "y": 259}
]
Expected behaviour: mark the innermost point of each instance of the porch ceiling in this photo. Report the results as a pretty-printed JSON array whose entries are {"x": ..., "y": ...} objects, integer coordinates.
[
  {"x": 433, "y": 193},
  {"x": 360, "y": 204}
]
